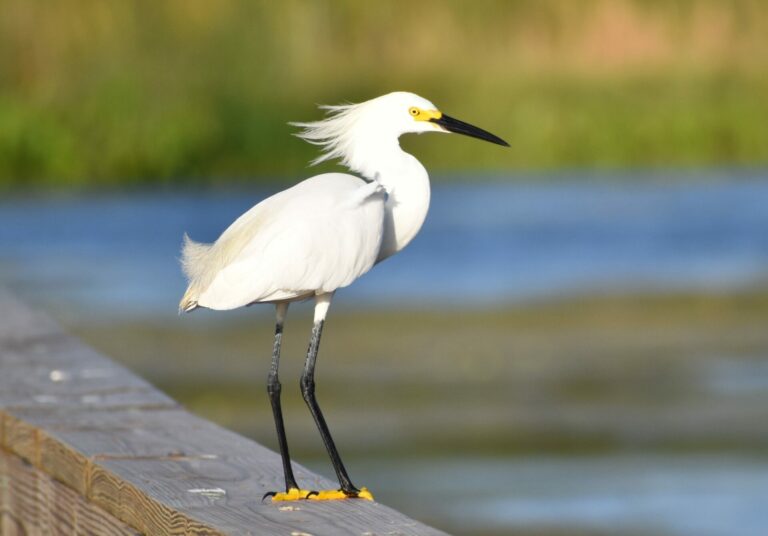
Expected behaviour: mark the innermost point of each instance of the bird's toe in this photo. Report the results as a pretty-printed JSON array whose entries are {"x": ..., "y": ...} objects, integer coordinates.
[
  {"x": 293, "y": 494},
  {"x": 340, "y": 494}
]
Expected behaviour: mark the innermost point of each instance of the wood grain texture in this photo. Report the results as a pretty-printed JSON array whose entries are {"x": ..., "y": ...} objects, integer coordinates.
[
  {"x": 33, "y": 503},
  {"x": 86, "y": 447}
]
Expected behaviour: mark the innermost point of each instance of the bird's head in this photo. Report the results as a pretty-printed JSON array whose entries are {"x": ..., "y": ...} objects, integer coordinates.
[
  {"x": 352, "y": 131},
  {"x": 407, "y": 112}
]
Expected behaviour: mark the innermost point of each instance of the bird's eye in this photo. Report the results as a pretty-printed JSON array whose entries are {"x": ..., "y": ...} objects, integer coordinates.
[{"x": 414, "y": 111}]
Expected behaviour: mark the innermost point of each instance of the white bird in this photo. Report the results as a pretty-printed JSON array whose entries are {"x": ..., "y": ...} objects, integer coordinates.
[{"x": 322, "y": 234}]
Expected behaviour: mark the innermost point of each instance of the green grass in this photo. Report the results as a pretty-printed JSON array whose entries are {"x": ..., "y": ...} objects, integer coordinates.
[
  {"x": 104, "y": 95},
  {"x": 587, "y": 375}
]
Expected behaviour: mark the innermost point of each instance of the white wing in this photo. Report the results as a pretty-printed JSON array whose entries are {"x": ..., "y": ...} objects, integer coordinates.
[{"x": 317, "y": 236}]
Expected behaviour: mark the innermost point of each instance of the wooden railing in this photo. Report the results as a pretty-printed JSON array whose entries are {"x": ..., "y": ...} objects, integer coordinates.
[{"x": 87, "y": 447}]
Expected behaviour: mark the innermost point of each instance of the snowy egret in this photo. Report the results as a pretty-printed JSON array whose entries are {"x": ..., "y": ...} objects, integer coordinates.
[{"x": 322, "y": 234}]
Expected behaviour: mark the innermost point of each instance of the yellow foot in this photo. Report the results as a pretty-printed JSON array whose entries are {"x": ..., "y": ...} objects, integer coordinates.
[
  {"x": 293, "y": 494},
  {"x": 337, "y": 494}
]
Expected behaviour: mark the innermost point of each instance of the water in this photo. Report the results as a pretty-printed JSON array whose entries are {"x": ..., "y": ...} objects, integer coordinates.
[
  {"x": 481, "y": 244},
  {"x": 675, "y": 495}
]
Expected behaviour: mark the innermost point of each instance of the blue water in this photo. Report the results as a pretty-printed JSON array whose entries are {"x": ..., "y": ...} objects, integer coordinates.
[
  {"x": 482, "y": 244},
  {"x": 623, "y": 494}
]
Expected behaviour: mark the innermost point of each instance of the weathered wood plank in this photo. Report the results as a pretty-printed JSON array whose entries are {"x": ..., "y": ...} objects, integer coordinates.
[
  {"x": 33, "y": 503},
  {"x": 96, "y": 434}
]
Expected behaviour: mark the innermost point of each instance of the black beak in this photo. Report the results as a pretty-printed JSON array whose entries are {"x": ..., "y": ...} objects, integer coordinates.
[{"x": 460, "y": 127}]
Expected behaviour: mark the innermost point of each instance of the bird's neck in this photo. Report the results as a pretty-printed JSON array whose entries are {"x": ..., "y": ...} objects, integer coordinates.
[{"x": 407, "y": 185}]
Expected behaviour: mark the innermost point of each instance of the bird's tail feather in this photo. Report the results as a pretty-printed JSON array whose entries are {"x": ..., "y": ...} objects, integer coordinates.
[
  {"x": 194, "y": 259},
  {"x": 188, "y": 303}
]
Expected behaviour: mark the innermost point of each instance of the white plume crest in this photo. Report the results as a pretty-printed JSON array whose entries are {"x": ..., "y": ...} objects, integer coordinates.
[{"x": 335, "y": 134}]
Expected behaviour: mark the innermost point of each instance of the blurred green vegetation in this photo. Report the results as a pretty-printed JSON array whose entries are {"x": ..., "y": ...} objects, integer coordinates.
[
  {"x": 99, "y": 93},
  {"x": 590, "y": 374}
]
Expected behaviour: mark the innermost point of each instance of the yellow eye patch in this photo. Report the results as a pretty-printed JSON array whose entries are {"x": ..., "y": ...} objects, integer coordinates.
[{"x": 424, "y": 115}]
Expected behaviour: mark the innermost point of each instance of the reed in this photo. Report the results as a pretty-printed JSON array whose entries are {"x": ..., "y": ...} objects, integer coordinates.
[{"x": 96, "y": 94}]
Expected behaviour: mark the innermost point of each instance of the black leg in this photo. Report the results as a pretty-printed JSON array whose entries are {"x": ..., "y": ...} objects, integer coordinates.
[
  {"x": 308, "y": 392},
  {"x": 274, "y": 388}
]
